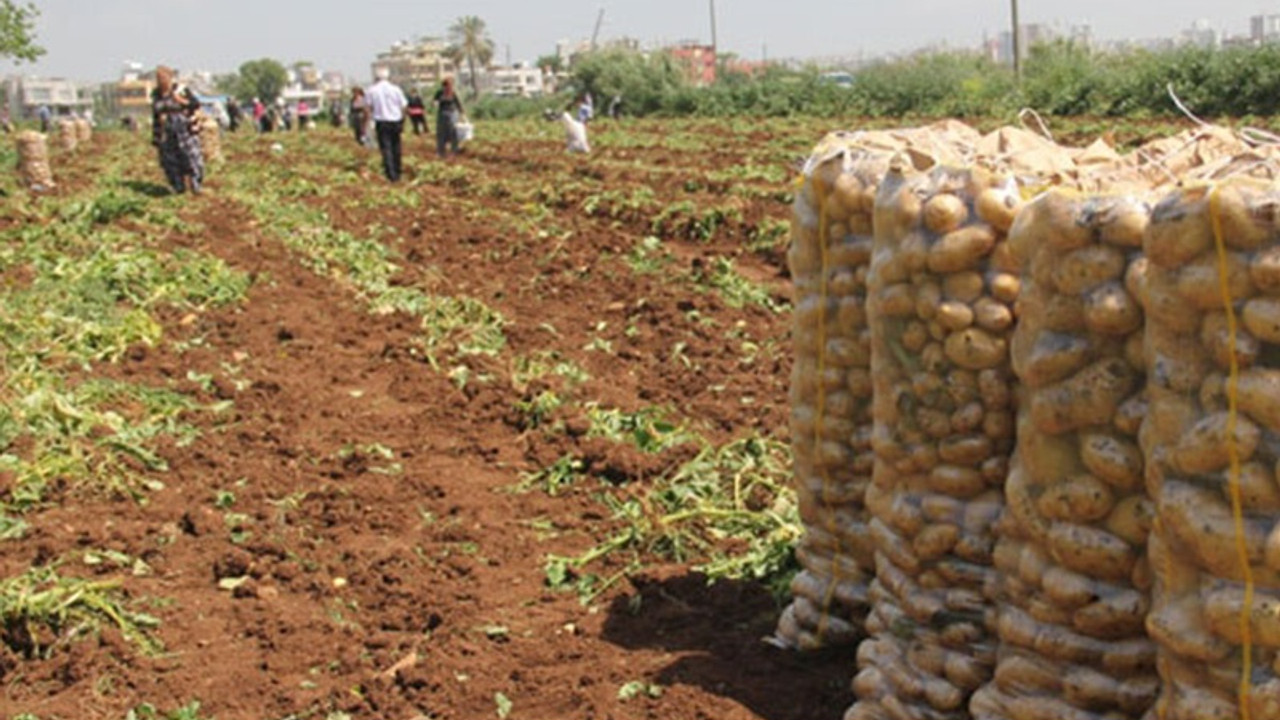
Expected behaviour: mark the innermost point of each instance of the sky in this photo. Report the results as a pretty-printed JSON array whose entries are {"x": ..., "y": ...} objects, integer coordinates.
[{"x": 91, "y": 39}]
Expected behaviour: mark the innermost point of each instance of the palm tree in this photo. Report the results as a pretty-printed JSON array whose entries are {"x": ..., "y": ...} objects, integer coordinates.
[{"x": 469, "y": 40}]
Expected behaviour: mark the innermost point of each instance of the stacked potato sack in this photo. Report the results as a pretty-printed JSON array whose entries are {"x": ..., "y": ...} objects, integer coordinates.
[
  {"x": 210, "y": 137},
  {"x": 33, "y": 160},
  {"x": 1211, "y": 445},
  {"x": 68, "y": 138},
  {"x": 84, "y": 131},
  {"x": 940, "y": 302},
  {"x": 1072, "y": 584},
  {"x": 831, "y": 392}
]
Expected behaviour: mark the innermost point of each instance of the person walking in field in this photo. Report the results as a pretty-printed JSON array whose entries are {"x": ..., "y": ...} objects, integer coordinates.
[
  {"x": 358, "y": 114},
  {"x": 418, "y": 113},
  {"x": 448, "y": 113},
  {"x": 387, "y": 104},
  {"x": 173, "y": 133}
]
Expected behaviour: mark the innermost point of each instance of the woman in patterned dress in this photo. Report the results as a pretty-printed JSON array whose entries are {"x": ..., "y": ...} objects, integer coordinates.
[{"x": 174, "y": 134}]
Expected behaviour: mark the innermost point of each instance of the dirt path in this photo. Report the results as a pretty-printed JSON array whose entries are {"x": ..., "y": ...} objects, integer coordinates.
[{"x": 345, "y": 539}]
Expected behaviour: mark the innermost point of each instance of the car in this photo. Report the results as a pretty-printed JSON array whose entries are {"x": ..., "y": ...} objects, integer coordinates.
[{"x": 837, "y": 78}]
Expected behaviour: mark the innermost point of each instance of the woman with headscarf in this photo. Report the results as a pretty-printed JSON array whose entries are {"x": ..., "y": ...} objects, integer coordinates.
[
  {"x": 173, "y": 133},
  {"x": 448, "y": 112}
]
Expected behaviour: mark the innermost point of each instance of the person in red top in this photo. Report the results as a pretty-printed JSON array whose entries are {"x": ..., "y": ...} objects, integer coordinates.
[{"x": 417, "y": 111}]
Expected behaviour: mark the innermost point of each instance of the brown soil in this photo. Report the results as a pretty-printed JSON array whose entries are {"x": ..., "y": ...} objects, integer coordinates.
[{"x": 421, "y": 594}]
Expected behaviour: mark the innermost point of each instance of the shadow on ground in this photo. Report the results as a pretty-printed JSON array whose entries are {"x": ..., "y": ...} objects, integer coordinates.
[
  {"x": 150, "y": 189},
  {"x": 719, "y": 631}
]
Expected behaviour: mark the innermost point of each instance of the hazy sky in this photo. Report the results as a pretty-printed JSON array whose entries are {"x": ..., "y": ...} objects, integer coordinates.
[{"x": 90, "y": 39}]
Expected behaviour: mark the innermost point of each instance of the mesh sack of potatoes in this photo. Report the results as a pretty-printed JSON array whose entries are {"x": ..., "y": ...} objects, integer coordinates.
[
  {"x": 940, "y": 300},
  {"x": 831, "y": 391},
  {"x": 84, "y": 131},
  {"x": 832, "y": 235},
  {"x": 33, "y": 160},
  {"x": 1211, "y": 442},
  {"x": 210, "y": 137},
  {"x": 68, "y": 138},
  {"x": 1072, "y": 584}
]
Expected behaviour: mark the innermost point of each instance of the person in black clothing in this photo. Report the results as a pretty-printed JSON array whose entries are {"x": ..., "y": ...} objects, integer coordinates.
[
  {"x": 448, "y": 112},
  {"x": 233, "y": 114},
  {"x": 417, "y": 111}
]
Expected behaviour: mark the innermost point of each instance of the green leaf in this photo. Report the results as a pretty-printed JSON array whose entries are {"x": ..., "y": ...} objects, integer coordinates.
[{"x": 504, "y": 705}]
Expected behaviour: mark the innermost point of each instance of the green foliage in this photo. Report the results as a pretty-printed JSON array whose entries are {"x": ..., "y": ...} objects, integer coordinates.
[
  {"x": 263, "y": 78},
  {"x": 469, "y": 40},
  {"x": 17, "y": 36}
]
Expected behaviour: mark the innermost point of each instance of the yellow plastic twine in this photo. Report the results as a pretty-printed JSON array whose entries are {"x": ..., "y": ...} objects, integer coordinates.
[
  {"x": 1233, "y": 453},
  {"x": 821, "y": 195}
]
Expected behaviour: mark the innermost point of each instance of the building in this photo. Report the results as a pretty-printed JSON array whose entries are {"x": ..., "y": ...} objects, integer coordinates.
[
  {"x": 699, "y": 62},
  {"x": 420, "y": 63},
  {"x": 1201, "y": 35},
  {"x": 1264, "y": 28},
  {"x": 25, "y": 95},
  {"x": 519, "y": 80}
]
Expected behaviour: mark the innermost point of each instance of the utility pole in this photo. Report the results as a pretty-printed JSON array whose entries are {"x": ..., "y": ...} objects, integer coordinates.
[
  {"x": 713, "y": 27},
  {"x": 1017, "y": 49}
]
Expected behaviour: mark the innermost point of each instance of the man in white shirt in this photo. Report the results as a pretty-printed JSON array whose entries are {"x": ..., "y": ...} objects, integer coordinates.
[{"x": 386, "y": 104}]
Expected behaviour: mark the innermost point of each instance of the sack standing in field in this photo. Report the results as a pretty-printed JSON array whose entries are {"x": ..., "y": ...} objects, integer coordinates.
[
  {"x": 831, "y": 393},
  {"x": 68, "y": 135},
  {"x": 210, "y": 137},
  {"x": 941, "y": 293},
  {"x": 84, "y": 131},
  {"x": 33, "y": 160},
  {"x": 1073, "y": 586},
  {"x": 1211, "y": 445}
]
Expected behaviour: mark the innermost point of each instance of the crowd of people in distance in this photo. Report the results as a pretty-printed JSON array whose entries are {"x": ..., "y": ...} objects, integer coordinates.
[{"x": 376, "y": 114}]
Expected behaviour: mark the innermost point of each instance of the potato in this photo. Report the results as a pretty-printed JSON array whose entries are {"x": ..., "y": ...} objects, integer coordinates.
[
  {"x": 954, "y": 315},
  {"x": 1025, "y": 673},
  {"x": 1090, "y": 397},
  {"x": 1261, "y": 317},
  {"x": 1264, "y": 270},
  {"x": 1164, "y": 306},
  {"x": 944, "y": 212},
  {"x": 912, "y": 255},
  {"x": 1081, "y": 498},
  {"x": 1124, "y": 222},
  {"x": 1130, "y": 414},
  {"x": 1135, "y": 279},
  {"x": 1243, "y": 226},
  {"x": 1179, "y": 626},
  {"x": 1202, "y": 522},
  {"x": 1006, "y": 286},
  {"x": 1091, "y": 551},
  {"x": 1119, "y": 613},
  {"x": 998, "y": 207},
  {"x": 965, "y": 287},
  {"x": 844, "y": 197},
  {"x": 976, "y": 349},
  {"x": 1222, "y": 608},
  {"x": 962, "y": 249},
  {"x": 1053, "y": 357},
  {"x": 957, "y": 481},
  {"x": 935, "y": 541},
  {"x": 1203, "y": 448},
  {"x": 928, "y": 300},
  {"x": 1066, "y": 227},
  {"x": 1068, "y": 589},
  {"x": 964, "y": 450},
  {"x": 1258, "y": 394},
  {"x": 1112, "y": 459},
  {"x": 1179, "y": 229},
  {"x": 1110, "y": 310},
  {"x": 968, "y": 417},
  {"x": 1199, "y": 282},
  {"x": 1131, "y": 520},
  {"x": 1086, "y": 268},
  {"x": 992, "y": 315},
  {"x": 1177, "y": 363},
  {"x": 1084, "y": 687}
]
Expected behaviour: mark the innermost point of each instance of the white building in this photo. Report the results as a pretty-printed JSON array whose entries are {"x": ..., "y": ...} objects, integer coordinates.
[
  {"x": 25, "y": 95},
  {"x": 518, "y": 80},
  {"x": 1264, "y": 28}
]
